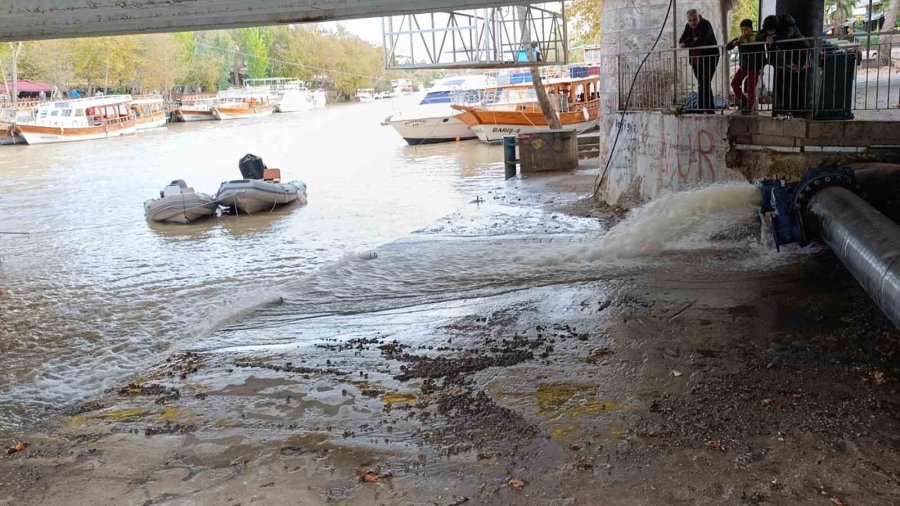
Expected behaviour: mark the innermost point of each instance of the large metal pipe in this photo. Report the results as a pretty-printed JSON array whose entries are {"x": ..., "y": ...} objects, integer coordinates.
[{"x": 866, "y": 241}]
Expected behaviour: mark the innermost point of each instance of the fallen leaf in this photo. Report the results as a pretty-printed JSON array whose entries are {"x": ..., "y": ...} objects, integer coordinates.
[
  {"x": 878, "y": 378},
  {"x": 677, "y": 373},
  {"x": 517, "y": 484},
  {"x": 837, "y": 502},
  {"x": 368, "y": 476},
  {"x": 715, "y": 445},
  {"x": 766, "y": 402},
  {"x": 16, "y": 448}
]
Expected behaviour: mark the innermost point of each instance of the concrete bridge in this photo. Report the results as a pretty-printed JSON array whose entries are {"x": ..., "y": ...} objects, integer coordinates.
[{"x": 55, "y": 19}]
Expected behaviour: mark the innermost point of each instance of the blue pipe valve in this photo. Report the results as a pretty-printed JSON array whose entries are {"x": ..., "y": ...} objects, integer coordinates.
[{"x": 784, "y": 204}]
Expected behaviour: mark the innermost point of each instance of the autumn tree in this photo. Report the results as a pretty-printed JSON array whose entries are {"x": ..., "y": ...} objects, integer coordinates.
[{"x": 585, "y": 16}]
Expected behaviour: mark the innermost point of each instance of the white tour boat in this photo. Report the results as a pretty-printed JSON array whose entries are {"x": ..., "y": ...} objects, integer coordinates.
[
  {"x": 196, "y": 108},
  {"x": 242, "y": 106},
  {"x": 149, "y": 112},
  {"x": 287, "y": 94},
  {"x": 178, "y": 203},
  {"x": 433, "y": 119},
  {"x": 78, "y": 120},
  {"x": 260, "y": 190},
  {"x": 365, "y": 95}
]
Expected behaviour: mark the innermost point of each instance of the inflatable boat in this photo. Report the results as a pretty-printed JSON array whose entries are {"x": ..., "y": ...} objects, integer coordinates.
[
  {"x": 260, "y": 190},
  {"x": 179, "y": 203}
]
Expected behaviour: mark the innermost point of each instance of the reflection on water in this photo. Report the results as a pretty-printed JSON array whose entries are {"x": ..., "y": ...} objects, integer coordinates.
[{"x": 84, "y": 304}]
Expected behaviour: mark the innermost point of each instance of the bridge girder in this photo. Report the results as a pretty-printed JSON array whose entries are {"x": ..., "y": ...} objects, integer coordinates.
[{"x": 56, "y": 19}]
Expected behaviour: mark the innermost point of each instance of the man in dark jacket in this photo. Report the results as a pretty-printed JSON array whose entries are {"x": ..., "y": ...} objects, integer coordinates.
[{"x": 704, "y": 56}]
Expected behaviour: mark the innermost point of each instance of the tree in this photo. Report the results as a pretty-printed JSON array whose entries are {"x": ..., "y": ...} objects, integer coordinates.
[
  {"x": 586, "y": 15},
  {"x": 15, "y": 50},
  {"x": 254, "y": 43},
  {"x": 890, "y": 23},
  {"x": 743, "y": 9},
  {"x": 841, "y": 10},
  {"x": 161, "y": 64}
]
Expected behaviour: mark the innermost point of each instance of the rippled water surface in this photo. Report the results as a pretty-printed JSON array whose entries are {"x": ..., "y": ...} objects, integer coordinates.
[{"x": 95, "y": 292}]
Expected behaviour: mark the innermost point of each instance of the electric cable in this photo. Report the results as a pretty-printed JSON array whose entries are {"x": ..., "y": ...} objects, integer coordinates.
[{"x": 612, "y": 149}]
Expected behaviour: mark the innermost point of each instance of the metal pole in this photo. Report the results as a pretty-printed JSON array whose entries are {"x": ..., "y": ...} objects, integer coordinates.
[
  {"x": 866, "y": 241},
  {"x": 868, "y": 48},
  {"x": 509, "y": 156},
  {"x": 674, "y": 52}
]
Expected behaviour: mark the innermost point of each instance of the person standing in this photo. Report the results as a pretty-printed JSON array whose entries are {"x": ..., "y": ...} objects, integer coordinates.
[
  {"x": 699, "y": 37},
  {"x": 751, "y": 59}
]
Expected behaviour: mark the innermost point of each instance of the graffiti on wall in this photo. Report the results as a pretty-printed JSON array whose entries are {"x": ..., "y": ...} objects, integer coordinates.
[{"x": 658, "y": 152}]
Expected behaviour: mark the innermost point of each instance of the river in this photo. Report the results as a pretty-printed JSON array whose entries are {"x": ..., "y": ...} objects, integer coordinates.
[{"x": 95, "y": 292}]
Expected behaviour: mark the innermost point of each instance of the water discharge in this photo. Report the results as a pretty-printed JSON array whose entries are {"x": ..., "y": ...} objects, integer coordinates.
[{"x": 388, "y": 227}]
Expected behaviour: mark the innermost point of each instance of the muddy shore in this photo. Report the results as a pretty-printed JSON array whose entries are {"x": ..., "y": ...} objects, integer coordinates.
[{"x": 698, "y": 378}]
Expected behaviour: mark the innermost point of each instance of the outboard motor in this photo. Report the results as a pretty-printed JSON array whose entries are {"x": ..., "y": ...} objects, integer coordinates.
[{"x": 252, "y": 167}]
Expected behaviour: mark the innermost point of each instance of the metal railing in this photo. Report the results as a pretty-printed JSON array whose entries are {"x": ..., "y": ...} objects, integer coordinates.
[{"x": 800, "y": 77}]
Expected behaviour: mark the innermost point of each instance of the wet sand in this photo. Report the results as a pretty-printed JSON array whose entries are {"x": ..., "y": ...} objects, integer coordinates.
[{"x": 686, "y": 380}]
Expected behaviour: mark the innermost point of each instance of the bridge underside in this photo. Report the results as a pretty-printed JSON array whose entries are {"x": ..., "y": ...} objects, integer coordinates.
[{"x": 55, "y": 19}]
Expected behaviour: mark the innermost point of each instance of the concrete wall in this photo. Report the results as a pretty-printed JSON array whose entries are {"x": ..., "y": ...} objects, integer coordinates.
[
  {"x": 658, "y": 152},
  {"x": 631, "y": 26}
]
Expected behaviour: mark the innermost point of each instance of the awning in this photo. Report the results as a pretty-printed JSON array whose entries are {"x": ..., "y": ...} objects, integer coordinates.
[{"x": 27, "y": 86}]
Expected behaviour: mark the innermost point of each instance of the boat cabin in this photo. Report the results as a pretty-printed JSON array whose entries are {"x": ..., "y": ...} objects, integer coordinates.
[{"x": 85, "y": 112}]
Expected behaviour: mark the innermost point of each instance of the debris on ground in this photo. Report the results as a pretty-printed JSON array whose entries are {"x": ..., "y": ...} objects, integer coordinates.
[
  {"x": 878, "y": 378},
  {"x": 371, "y": 476},
  {"x": 517, "y": 484},
  {"x": 677, "y": 373},
  {"x": 16, "y": 448},
  {"x": 715, "y": 445}
]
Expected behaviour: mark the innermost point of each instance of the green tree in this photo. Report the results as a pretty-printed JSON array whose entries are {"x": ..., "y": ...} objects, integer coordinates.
[
  {"x": 254, "y": 43},
  {"x": 586, "y": 15},
  {"x": 743, "y": 9}
]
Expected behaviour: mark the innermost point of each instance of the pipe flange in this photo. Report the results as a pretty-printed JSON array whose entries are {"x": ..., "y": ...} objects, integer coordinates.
[{"x": 820, "y": 179}]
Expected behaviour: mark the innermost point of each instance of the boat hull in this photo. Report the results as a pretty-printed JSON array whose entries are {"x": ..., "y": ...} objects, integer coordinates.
[
  {"x": 252, "y": 195},
  {"x": 228, "y": 113},
  {"x": 47, "y": 135},
  {"x": 190, "y": 116},
  {"x": 432, "y": 130},
  {"x": 180, "y": 209},
  {"x": 494, "y": 133},
  {"x": 150, "y": 121}
]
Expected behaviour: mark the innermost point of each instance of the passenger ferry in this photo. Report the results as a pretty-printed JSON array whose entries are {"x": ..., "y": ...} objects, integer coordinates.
[
  {"x": 242, "y": 106},
  {"x": 516, "y": 111},
  {"x": 287, "y": 94},
  {"x": 433, "y": 120},
  {"x": 196, "y": 108},
  {"x": 149, "y": 112},
  {"x": 78, "y": 120},
  {"x": 365, "y": 94}
]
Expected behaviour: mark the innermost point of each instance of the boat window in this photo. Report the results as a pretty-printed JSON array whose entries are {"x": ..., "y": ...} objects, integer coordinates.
[
  {"x": 436, "y": 97},
  {"x": 54, "y": 113},
  {"x": 67, "y": 112},
  {"x": 123, "y": 110},
  {"x": 79, "y": 112},
  {"x": 43, "y": 114}
]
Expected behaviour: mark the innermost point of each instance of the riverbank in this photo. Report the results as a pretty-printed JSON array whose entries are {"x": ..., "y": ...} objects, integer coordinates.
[{"x": 717, "y": 375}]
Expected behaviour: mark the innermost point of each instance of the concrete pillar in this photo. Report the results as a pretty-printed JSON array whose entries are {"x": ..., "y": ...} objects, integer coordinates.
[
  {"x": 809, "y": 14},
  {"x": 548, "y": 151}
]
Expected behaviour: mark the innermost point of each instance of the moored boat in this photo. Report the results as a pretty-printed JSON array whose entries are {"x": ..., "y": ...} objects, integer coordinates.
[
  {"x": 179, "y": 203},
  {"x": 79, "y": 119},
  {"x": 197, "y": 108},
  {"x": 287, "y": 94},
  {"x": 365, "y": 95},
  {"x": 516, "y": 111},
  {"x": 242, "y": 107},
  {"x": 433, "y": 120},
  {"x": 149, "y": 112},
  {"x": 260, "y": 190}
]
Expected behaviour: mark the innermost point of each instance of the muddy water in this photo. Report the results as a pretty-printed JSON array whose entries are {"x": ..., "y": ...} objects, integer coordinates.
[{"x": 95, "y": 292}]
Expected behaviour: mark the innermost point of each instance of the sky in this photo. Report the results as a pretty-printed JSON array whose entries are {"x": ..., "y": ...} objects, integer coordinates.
[{"x": 368, "y": 29}]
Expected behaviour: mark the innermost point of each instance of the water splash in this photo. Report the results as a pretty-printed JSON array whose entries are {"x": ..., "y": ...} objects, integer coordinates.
[{"x": 674, "y": 221}]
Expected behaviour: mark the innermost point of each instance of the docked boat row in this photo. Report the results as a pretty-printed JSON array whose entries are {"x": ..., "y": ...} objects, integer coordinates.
[
  {"x": 466, "y": 107},
  {"x": 261, "y": 189},
  {"x": 259, "y": 98}
]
